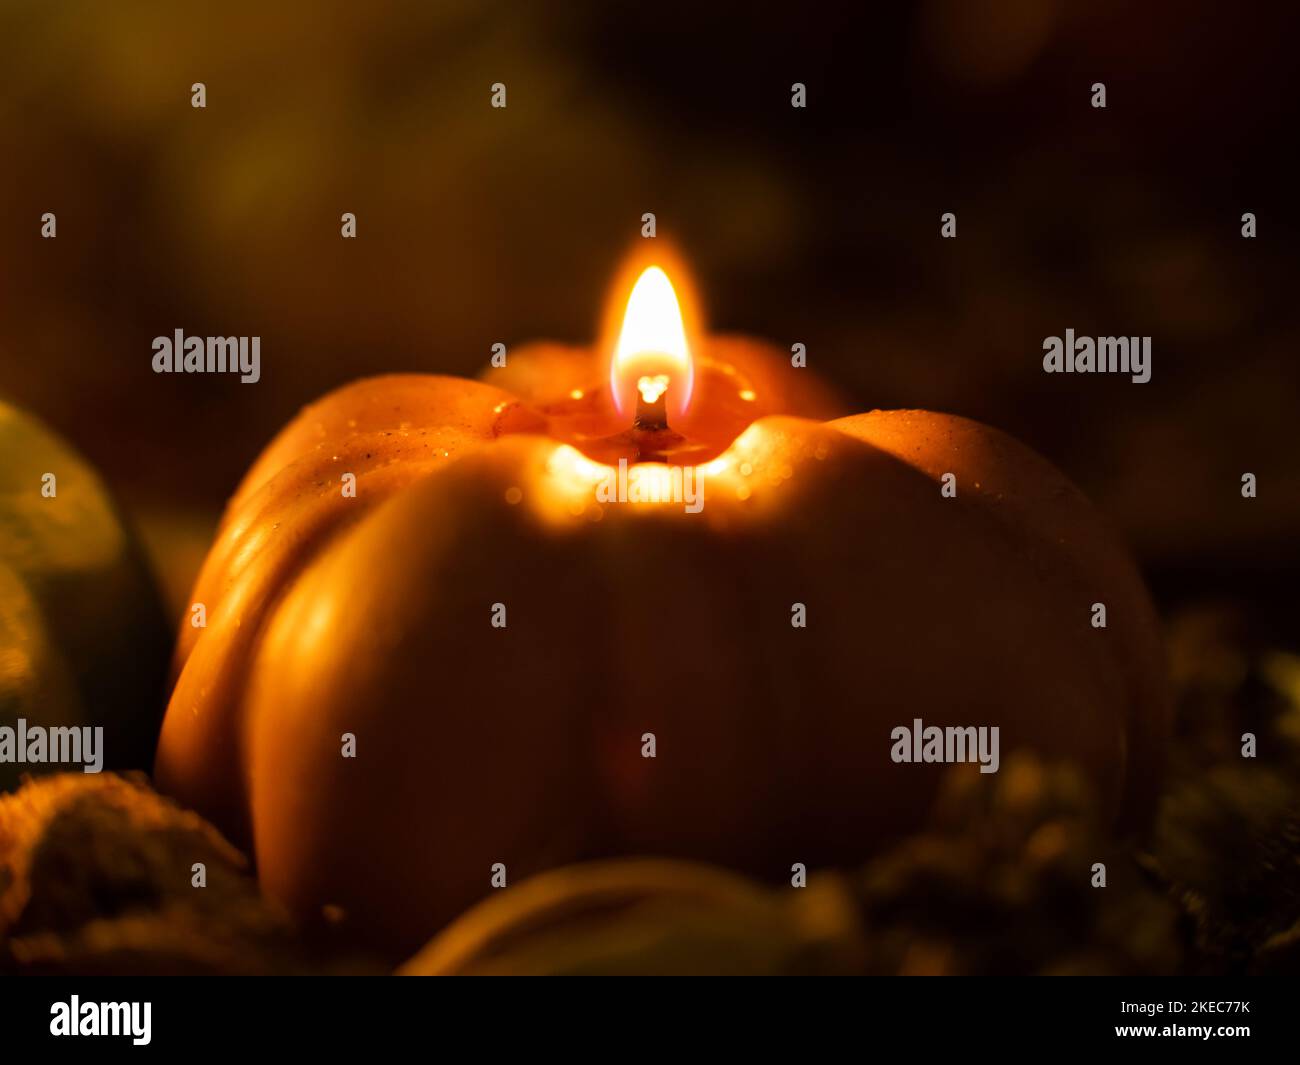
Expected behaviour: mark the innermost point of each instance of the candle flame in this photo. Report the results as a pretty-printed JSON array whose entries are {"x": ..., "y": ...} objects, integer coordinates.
[{"x": 652, "y": 356}]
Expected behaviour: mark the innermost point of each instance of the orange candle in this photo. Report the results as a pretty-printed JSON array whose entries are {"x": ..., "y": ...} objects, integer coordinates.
[{"x": 494, "y": 657}]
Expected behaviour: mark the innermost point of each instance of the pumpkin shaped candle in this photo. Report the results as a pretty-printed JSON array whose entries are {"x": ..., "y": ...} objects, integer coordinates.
[{"x": 483, "y": 657}]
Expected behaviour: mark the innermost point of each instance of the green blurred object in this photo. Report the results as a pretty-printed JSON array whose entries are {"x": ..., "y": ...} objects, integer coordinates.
[
  {"x": 648, "y": 917},
  {"x": 83, "y": 641}
]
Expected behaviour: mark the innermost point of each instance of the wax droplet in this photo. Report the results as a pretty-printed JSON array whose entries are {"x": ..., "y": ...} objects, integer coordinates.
[
  {"x": 513, "y": 494},
  {"x": 576, "y": 394},
  {"x": 746, "y": 469},
  {"x": 747, "y": 395}
]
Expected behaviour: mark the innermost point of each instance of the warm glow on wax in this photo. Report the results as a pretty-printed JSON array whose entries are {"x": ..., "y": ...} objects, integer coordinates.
[{"x": 652, "y": 350}]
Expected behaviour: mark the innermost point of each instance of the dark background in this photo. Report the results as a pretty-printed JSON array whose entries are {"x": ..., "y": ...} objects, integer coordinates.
[{"x": 820, "y": 225}]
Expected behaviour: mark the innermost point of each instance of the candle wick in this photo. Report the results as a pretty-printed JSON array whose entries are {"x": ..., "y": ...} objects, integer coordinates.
[{"x": 652, "y": 403}]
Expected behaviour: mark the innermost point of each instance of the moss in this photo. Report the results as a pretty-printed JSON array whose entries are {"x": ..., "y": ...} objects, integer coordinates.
[{"x": 96, "y": 876}]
